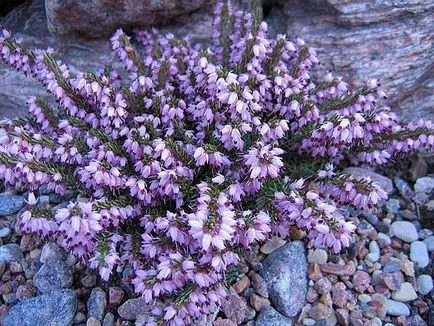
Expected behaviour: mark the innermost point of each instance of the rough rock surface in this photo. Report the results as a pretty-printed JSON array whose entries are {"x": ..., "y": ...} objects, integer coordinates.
[
  {"x": 102, "y": 17},
  {"x": 285, "y": 272},
  {"x": 56, "y": 309},
  {"x": 360, "y": 39},
  {"x": 29, "y": 22}
]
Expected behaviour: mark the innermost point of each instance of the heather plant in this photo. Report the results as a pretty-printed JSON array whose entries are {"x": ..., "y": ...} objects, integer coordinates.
[{"x": 194, "y": 155}]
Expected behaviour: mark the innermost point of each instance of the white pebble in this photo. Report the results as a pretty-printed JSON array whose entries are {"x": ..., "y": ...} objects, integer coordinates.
[
  {"x": 424, "y": 284},
  {"x": 404, "y": 293},
  {"x": 419, "y": 254},
  {"x": 395, "y": 308},
  {"x": 404, "y": 231}
]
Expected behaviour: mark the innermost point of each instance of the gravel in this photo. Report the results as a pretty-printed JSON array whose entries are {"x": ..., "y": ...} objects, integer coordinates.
[
  {"x": 404, "y": 231},
  {"x": 419, "y": 254}
]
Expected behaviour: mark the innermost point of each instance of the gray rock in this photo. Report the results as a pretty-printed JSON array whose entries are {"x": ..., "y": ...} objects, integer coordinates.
[
  {"x": 392, "y": 206},
  {"x": 4, "y": 232},
  {"x": 10, "y": 204},
  {"x": 395, "y": 308},
  {"x": 318, "y": 256},
  {"x": 429, "y": 243},
  {"x": 270, "y": 317},
  {"x": 424, "y": 284},
  {"x": 354, "y": 39},
  {"x": 385, "y": 183},
  {"x": 51, "y": 251},
  {"x": 10, "y": 252},
  {"x": 419, "y": 254},
  {"x": 132, "y": 308},
  {"x": 404, "y": 231},
  {"x": 97, "y": 304},
  {"x": 403, "y": 187},
  {"x": 234, "y": 307},
  {"x": 109, "y": 319},
  {"x": 55, "y": 309},
  {"x": 404, "y": 293},
  {"x": 102, "y": 17},
  {"x": 424, "y": 184},
  {"x": 416, "y": 321},
  {"x": 285, "y": 272},
  {"x": 53, "y": 275}
]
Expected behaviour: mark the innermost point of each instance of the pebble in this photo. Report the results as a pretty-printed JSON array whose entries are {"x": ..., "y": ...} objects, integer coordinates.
[
  {"x": 97, "y": 303},
  {"x": 407, "y": 267},
  {"x": 404, "y": 293},
  {"x": 116, "y": 295},
  {"x": 419, "y": 254},
  {"x": 79, "y": 318},
  {"x": 317, "y": 256},
  {"x": 132, "y": 308},
  {"x": 270, "y": 317},
  {"x": 242, "y": 284},
  {"x": 340, "y": 295},
  {"x": 323, "y": 285},
  {"x": 395, "y": 308},
  {"x": 383, "y": 238},
  {"x": 404, "y": 231},
  {"x": 424, "y": 284},
  {"x": 55, "y": 308},
  {"x": 424, "y": 184},
  {"x": 429, "y": 243},
  {"x": 109, "y": 319},
  {"x": 337, "y": 269},
  {"x": 364, "y": 298},
  {"x": 361, "y": 281},
  {"x": 25, "y": 292},
  {"x": 259, "y": 284},
  {"x": 93, "y": 322},
  {"x": 258, "y": 302},
  {"x": 10, "y": 252},
  {"x": 234, "y": 307},
  {"x": 273, "y": 244},
  {"x": 285, "y": 272},
  {"x": 10, "y": 204},
  {"x": 392, "y": 206},
  {"x": 4, "y": 232},
  {"x": 403, "y": 187}
]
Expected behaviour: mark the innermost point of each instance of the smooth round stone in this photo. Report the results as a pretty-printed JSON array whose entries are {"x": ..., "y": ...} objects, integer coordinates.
[
  {"x": 373, "y": 257},
  {"x": 404, "y": 231},
  {"x": 419, "y": 254},
  {"x": 10, "y": 204},
  {"x": 424, "y": 284},
  {"x": 396, "y": 308},
  {"x": 384, "y": 238},
  {"x": 405, "y": 293},
  {"x": 377, "y": 321},
  {"x": 4, "y": 232},
  {"x": 317, "y": 256},
  {"x": 429, "y": 243},
  {"x": 424, "y": 184}
]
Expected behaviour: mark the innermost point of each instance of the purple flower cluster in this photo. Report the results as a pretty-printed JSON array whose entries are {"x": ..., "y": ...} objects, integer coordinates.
[{"x": 193, "y": 155}]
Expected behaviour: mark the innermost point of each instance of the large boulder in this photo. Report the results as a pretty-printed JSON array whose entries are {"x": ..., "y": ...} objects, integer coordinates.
[
  {"x": 94, "y": 18},
  {"x": 29, "y": 22},
  {"x": 360, "y": 39}
]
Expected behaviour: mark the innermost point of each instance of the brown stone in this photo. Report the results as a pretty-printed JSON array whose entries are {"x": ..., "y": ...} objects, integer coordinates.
[
  {"x": 337, "y": 269},
  {"x": 224, "y": 322},
  {"x": 312, "y": 295},
  {"x": 343, "y": 317},
  {"x": 6, "y": 288},
  {"x": 361, "y": 281},
  {"x": 25, "y": 291},
  {"x": 340, "y": 295},
  {"x": 116, "y": 295},
  {"x": 242, "y": 284},
  {"x": 234, "y": 307},
  {"x": 258, "y": 302}
]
